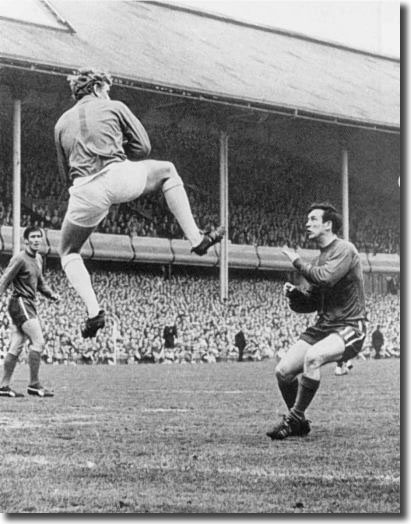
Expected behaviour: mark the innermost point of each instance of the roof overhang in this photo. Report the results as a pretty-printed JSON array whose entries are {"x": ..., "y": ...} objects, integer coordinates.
[
  {"x": 211, "y": 98},
  {"x": 302, "y": 79}
]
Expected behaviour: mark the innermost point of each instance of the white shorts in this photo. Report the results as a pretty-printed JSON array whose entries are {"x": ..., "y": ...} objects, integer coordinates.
[{"x": 91, "y": 197}]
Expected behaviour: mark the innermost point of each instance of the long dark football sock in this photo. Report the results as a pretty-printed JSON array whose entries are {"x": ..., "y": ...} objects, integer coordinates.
[
  {"x": 8, "y": 368},
  {"x": 288, "y": 390},
  {"x": 306, "y": 392},
  {"x": 34, "y": 365}
]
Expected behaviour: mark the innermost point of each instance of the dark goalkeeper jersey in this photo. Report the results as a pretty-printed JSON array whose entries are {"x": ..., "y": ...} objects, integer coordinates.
[
  {"x": 336, "y": 284},
  {"x": 24, "y": 272}
]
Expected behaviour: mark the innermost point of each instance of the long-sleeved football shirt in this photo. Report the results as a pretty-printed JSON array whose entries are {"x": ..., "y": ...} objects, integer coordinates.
[
  {"x": 96, "y": 132},
  {"x": 24, "y": 272},
  {"x": 336, "y": 284}
]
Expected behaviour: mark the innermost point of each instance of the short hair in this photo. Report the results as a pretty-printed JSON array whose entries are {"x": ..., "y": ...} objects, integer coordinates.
[
  {"x": 83, "y": 81},
  {"x": 330, "y": 213},
  {"x": 31, "y": 229}
]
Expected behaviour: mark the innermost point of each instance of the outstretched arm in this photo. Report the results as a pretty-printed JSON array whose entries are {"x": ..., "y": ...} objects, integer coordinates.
[{"x": 327, "y": 275}]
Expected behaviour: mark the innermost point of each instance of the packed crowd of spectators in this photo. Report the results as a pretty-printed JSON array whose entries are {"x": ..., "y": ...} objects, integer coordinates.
[
  {"x": 269, "y": 192},
  {"x": 140, "y": 304}
]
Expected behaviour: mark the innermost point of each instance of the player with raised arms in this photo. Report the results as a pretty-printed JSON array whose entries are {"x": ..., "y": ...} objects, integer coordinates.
[
  {"x": 103, "y": 149},
  {"x": 336, "y": 292}
]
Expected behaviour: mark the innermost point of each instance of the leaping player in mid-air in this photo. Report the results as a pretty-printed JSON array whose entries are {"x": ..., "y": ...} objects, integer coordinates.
[
  {"x": 336, "y": 292},
  {"x": 103, "y": 149}
]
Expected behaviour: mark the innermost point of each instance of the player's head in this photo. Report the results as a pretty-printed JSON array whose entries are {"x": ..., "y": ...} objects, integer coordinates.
[
  {"x": 322, "y": 219},
  {"x": 32, "y": 237},
  {"x": 88, "y": 81}
]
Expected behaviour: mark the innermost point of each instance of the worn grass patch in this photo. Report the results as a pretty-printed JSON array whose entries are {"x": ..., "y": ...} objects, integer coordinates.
[{"x": 191, "y": 439}]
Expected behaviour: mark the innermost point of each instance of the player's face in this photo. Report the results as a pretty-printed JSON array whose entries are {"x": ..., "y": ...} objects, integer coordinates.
[
  {"x": 315, "y": 226},
  {"x": 34, "y": 241}
]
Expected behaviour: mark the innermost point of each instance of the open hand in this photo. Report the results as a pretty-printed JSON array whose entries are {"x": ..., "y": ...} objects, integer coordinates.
[
  {"x": 288, "y": 288},
  {"x": 290, "y": 253}
]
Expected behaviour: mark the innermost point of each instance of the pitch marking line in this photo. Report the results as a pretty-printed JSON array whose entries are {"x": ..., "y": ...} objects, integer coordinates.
[
  {"x": 27, "y": 425},
  {"x": 165, "y": 410},
  {"x": 330, "y": 477},
  {"x": 237, "y": 472},
  {"x": 275, "y": 476},
  {"x": 211, "y": 391}
]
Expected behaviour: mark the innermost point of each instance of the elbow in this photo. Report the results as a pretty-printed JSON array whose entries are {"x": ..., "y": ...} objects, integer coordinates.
[
  {"x": 142, "y": 152},
  {"x": 146, "y": 149},
  {"x": 323, "y": 281}
]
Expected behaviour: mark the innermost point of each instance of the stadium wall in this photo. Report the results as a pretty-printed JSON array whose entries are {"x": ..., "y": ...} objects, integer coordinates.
[{"x": 122, "y": 248}]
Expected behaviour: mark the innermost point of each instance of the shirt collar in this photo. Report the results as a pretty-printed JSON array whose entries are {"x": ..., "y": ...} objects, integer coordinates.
[
  {"x": 26, "y": 249},
  {"x": 86, "y": 98}
]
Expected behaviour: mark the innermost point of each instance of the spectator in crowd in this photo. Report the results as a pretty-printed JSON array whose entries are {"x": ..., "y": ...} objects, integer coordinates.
[
  {"x": 377, "y": 339},
  {"x": 240, "y": 343},
  {"x": 170, "y": 334},
  {"x": 87, "y": 357},
  {"x": 157, "y": 350}
]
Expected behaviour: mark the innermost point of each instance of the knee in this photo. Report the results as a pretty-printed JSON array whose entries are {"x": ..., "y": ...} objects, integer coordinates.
[
  {"x": 38, "y": 347},
  {"x": 283, "y": 375},
  {"x": 169, "y": 168},
  {"x": 68, "y": 257},
  {"x": 72, "y": 238},
  {"x": 312, "y": 360},
  {"x": 65, "y": 248},
  {"x": 37, "y": 343},
  {"x": 16, "y": 350},
  {"x": 172, "y": 178}
]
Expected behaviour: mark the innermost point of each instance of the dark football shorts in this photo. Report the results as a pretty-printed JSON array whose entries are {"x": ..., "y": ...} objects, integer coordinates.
[
  {"x": 353, "y": 335},
  {"x": 21, "y": 310}
]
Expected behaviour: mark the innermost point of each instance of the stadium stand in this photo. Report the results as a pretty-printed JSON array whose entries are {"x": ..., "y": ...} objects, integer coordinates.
[
  {"x": 206, "y": 327},
  {"x": 269, "y": 215}
]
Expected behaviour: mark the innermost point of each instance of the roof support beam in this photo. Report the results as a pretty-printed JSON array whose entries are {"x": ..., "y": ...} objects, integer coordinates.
[
  {"x": 16, "y": 174},
  {"x": 224, "y": 215},
  {"x": 345, "y": 195}
]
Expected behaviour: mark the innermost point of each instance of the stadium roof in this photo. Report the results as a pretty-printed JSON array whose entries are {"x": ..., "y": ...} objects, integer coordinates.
[{"x": 179, "y": 50}]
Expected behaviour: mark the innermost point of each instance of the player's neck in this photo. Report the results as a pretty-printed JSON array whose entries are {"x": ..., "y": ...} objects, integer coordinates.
[
  {"x": 30, "y": 252},
  {"x": 326, "y": 240}
]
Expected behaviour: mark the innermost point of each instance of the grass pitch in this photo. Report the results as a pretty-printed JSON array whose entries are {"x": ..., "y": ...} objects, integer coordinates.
[{"x": 191, "y": 439}]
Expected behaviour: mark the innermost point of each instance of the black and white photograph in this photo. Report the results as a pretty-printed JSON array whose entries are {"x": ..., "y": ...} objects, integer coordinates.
[{"x": 200, "y": 284}]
